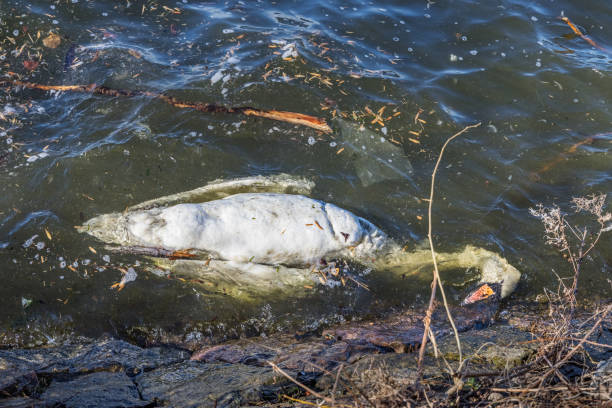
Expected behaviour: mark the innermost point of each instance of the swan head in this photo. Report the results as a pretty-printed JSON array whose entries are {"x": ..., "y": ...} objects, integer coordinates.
[{"x": 498, "y": 280}]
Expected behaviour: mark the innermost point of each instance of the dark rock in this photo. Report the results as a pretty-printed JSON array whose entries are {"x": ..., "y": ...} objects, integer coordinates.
[
  {"x": 103, "y": 389},
  {"x": 112, "y": 355},
  {"x": 403, "y": 333},
  {"x": 30, "y": 371},
  {"x": 602, "y": 380},
  {"x": 195, "y": 384},
  {"x": 20, "y": 366},
  {"x": 498, "y": 347},
  {"x": 316, "y": 354},
  {"x": 21, "y": 402},
  {"x": 400, "y": 340},
  {"x": 18, "y": 381}
]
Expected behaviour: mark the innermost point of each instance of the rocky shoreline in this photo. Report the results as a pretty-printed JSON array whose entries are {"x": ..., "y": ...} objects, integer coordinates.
[{"x": 110, "y": 372}]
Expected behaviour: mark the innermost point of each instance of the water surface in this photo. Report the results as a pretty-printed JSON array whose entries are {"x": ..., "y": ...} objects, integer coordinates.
[{"x": 65, "y": 157}]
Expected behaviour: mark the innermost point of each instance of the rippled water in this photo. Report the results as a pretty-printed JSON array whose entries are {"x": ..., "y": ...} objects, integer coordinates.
[{"x": 65, "y": 157}]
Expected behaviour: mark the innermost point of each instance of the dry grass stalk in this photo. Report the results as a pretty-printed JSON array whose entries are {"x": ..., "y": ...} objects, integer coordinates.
[
  {"x": 572, "y": 241},
  {"x": 436, "y": 282}
]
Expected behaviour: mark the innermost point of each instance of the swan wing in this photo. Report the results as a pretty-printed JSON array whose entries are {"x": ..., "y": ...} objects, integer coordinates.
[{"x": 280, "y": 183}]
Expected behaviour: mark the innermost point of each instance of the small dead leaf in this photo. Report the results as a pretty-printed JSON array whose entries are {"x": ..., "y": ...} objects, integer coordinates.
[
  {"x": 52, "y": 41},
  {"x": 30, "y": 65},
  {"x": 134, "y": 53}
]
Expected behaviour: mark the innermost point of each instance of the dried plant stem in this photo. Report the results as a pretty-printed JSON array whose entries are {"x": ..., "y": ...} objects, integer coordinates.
[
  {"x": 436, "y": 275},
  {"x": 577, "y": 347},
  {"x": 350, "y": 382},
  {"x": 305, "y": 402}
]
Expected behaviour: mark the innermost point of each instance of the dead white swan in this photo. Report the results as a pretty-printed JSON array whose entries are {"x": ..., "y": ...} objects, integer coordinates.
[{"x": 263, "y": 230}]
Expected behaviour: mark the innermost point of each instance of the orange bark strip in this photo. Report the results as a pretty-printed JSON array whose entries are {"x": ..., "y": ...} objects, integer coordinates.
[
  {"x": 282, "y": 116},
  {"x": 572, "y": 26},
  {"x": 30, "y": 85},
  {"x": 181, "y": 254},
  {"x": 290, "y": 117}
]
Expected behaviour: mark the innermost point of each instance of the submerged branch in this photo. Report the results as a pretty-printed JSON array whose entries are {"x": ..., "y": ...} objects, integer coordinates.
[{"x": 282, "y": 116}]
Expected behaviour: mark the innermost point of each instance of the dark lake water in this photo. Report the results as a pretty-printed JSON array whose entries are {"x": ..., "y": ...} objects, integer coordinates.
[{"x": 429, "y": 68}]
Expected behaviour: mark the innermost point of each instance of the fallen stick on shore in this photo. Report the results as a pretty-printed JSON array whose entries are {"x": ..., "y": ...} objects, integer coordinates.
[{"x": 283, "y": 116}]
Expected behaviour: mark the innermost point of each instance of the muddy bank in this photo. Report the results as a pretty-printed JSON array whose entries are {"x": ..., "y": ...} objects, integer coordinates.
[{"x": 111, "y": 372}]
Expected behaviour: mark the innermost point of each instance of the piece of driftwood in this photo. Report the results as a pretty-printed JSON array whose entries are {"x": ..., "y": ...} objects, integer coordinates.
[{"x": 283, "y": 116}]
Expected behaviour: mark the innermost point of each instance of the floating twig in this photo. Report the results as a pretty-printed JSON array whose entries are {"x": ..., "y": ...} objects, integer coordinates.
[
  {"x": 282, "y": 116},
  {"x": 579, "y": 33}
]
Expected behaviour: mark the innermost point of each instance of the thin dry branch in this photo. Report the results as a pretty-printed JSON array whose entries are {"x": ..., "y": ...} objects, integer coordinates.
[
  {"x": 436, "y": 277},
  {"x": 283, "y": 116},
  {"x": 347, "y": 380},
  {"x": 299, "y": 384},
  {"x": 578, "y": 346}
]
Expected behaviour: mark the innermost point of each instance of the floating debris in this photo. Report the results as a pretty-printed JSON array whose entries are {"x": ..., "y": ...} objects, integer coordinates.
[
  {"x": 28, "y": 243},
  {"x": 129, "y": 275},
  {"x": 52, "y": 41},
  {"x": 25, "y": 302},
  {"x": 290, "y": 51}
]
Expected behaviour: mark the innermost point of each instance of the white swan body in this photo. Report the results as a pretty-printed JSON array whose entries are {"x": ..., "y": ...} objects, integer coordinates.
[
  {"x": 260, "y": 240},
  {"x": 263, "y": 228}
]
